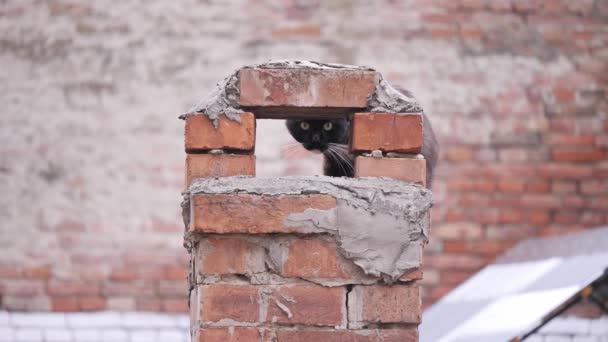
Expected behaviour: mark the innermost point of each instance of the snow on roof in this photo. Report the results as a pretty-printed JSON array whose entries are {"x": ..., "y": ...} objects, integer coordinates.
[{"x": 509, "y": 299}]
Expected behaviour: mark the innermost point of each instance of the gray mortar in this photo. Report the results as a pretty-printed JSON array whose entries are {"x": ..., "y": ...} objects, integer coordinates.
[
  {"x": 387, "y": 99},
  {"x": 379, "y": 223},
  {"x": 224, "y": 98}
]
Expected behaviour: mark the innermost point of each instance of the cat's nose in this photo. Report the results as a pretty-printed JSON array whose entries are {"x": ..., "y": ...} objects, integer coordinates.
[{"x": 316, "y": 139}]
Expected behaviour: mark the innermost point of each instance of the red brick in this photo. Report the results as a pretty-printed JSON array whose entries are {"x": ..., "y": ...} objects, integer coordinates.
[
  {"x": 123, "y": 274},
  {"x": 556, "y": 229},
  {"x": 570, "y": 140},
  {"x": 472, "y": 185},
  {"x": 10, "y": 272},
  {"x": 309, "y": 305},
  {"x": 457, "y": 231},
  {"x": 514, "y": 155},
  {"x": 456, "y": 246},
  {"x": 566, "y": 171},
  {"x": 91, "y": 303},
  {"x": 563, "y": 187},
  {"x": 313, "y": 258},
  {"x": 416, "y": 274},
  {"x": 327, "y": 335},
  {"x": 148, "y": 304},
  {"x": 235, "y": 302},
  {"x": 455, "y": 215},
  {"x": 454, "y": 262},
  {"x": 384, "y": 335},
  {"x": 566, "y": 217},
  {"x": 404, "y": 169},
  {"x": 511, "y": 185},
  {"x": 507, "y": 215},
  {"x": 201, "y": 135},
  {"x": 305, "y": 88},
  {"x": 594, "y": 186},
  {"x": 458, "y": 154},
  {"x": 510, "y": 232},
  {"x": 564, "y": 94},
  {"x": 175, "y": 304},
  {"x": 254, "y": 214},
  {"x": 538, "y": 186},
  {"x": 218, "y": 165},
  {"x": 399, "y": 335},
  {"x": 579, "y": 156},
  {"x": 300, "y": 31},
  {"x": 540, "y": 201},
  {"x": 64, "y": 304},
  {"x": 233, "y": 334},
  {"x": 223, "y": 256},
  {"x": 454, "y": 277},
  {"x": 387, "y": 132},
  {"x": 384, "y": 304},
  {"x": 176, "y": 272},
  {"x": 538, "y": 217},
  {"x": 38, "y": 272},
  {"x": 70, "y": 288},
  {"x": 22, "y": 287}
]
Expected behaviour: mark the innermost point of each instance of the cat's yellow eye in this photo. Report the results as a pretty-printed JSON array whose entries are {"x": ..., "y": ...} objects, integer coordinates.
[
  {"x": 328, "y": 126},
  {"x": 304, "y": 125}
]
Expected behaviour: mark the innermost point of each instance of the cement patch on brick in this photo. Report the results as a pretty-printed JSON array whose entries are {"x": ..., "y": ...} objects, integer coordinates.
[
  {"x": 224, "y": 98},
  {"x": 381, "y": 224}
]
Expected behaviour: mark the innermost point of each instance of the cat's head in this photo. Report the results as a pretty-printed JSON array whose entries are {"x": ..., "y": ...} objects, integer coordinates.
[{"x": 318, "y": 134}]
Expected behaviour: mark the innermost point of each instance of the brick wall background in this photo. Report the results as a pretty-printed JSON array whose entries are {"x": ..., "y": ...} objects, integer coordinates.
[{"x": 91, "y": 154}]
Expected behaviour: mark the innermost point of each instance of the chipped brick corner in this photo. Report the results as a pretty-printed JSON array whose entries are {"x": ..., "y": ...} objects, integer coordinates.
[{"x": 305, "y": 258}]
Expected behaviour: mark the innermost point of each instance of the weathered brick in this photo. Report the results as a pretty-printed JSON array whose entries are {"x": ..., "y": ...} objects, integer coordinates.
[
  {"x": 218, "y": 165},
  {"x": 457, "y": 231},
  {"x": 511, "y": 185},
  {"x": 565, "y": 171},
  {"x": 578, "y": 155},
  {"x": 225, "y": 255},
  {"x": 309, "y": 305},
  {"x": 384, "y": 335},
  {"x": 458, "y": 154},
  {"x": 174, "y": 304},
  {"x": 254, "y": 214},
  {"x": 64, "y": 304},
  {"x": 234, "y": 302},
  {"x": 455, "y": 261},
  {"x": 91, "y": 303},
  {"x": 538, "y": 217},
  {"x": 416, "y": 274},
  {"x": 233, "y": 334},
  {"x": 201, "y": 135},
  {"x": 314, "y": 258},
  {"x": 387, "y": 132},
  {"x": 404, "y": 169},
  {"x": 383, "y": 304},
  {"x": 305, "y": 88},
  {"x": 538, "y": 186},
  {"x": 38, "y": 272}
]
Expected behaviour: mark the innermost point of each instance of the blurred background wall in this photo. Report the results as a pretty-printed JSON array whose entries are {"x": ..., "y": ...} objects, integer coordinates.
[{"x": 91, "y": 150}]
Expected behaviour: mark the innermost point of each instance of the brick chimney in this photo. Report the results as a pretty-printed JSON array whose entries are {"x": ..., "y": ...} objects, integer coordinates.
[{"x": 305, "y": 258}]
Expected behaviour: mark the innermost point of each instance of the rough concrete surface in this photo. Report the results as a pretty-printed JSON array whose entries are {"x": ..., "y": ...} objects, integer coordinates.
[{"x": 379, "y": 223}]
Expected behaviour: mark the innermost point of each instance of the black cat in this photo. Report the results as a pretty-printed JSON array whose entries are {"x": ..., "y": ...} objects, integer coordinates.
[{"x": 331, "y": 137}]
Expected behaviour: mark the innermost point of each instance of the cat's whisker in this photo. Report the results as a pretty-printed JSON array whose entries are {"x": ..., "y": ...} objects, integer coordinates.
[
  {"x": 341, "y": 154},
  {"x": 340, "y": 160}
]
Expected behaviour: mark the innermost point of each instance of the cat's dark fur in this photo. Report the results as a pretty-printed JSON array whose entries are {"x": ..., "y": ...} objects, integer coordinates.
[{"x": 333, "y": 143}]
